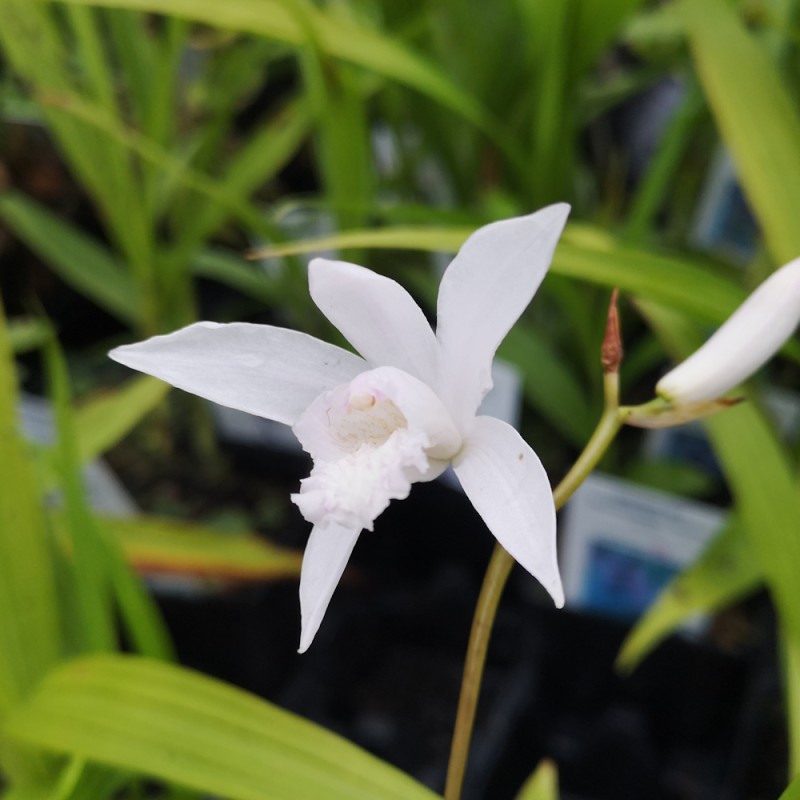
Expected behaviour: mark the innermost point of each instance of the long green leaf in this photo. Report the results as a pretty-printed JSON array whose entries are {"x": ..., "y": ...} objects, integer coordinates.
[
  {"x": 102, "y": 580},
  {"x": 165, "y": 545},
  {"x": 727, "y": 570},
  {"x": 82, "y": 781},
  {"x": 760, "y": 478},
  {"x": 105, "y": 420},
  {"x": 264, "y": 153},
  {"x": 790, "y": 652},
  {"x": 90, "y": 582},
  {"x": 30, "y": 627},
  {"x": 755, "y": 114},
  {"x": 80, "y": 260},
  {"x": 549, "y": 384},
  {"x": 228, "y": 268},
  {"x": 34, "y": 47},
  {"x": 27, "y": 333},
  {"x": 792, "y": 792},
  {"x": 585, "y": 252},
  {"x": 344, "y": 39},
  {"x": 542, "y": 784},
  {"x": 180, "y": 726},
  {"x": 762, "y": 483}
]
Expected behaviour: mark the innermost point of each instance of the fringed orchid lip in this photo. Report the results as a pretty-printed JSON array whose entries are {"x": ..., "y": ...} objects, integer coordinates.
[{"x": 399, "y": 413}]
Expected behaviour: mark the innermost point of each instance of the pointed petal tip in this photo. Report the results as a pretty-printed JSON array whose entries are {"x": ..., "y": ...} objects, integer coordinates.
[
  {"x": 307, "y": 634},
  {"x": 124, "y": 354},
  {"x": 555, "y": 214},
  {"x": 318, "y": 263},
  {"x": 551, "y": 581},
  {"x": 563, "y": 209},
  {"x": 558, "y": 596}
]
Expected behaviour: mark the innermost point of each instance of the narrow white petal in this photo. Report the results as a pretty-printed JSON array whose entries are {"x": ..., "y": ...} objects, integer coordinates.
[
  {"x": 483, "y": 292},
  {"x": 327, "y": 552},
  {"x": 508, "y": 486},
  {"x": 376, "y": 315},
  {"x": 271, "y": 372},
  {"x": 747, "y": 339}
]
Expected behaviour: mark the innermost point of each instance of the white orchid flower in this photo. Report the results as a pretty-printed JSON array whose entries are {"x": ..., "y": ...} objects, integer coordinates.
[
  {"x": 399, "y": 413},
  {"x": 742, "y": 344}
]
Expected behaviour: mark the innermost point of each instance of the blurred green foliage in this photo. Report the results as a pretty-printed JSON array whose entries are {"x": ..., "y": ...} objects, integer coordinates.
[{"x": 200, "y": 129}]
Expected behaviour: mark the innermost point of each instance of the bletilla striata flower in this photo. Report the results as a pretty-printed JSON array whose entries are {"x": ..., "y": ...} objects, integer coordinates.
[
  {"x": 401, "y": 411},
  {"x": 742, "y": 344}
]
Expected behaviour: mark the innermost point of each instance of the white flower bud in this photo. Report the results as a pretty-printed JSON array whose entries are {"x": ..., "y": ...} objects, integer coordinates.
[{"x": 747, "y": 339}]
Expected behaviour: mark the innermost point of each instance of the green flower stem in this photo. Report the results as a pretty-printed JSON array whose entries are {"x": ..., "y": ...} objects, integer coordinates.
[{"x": 494, "y": 582}]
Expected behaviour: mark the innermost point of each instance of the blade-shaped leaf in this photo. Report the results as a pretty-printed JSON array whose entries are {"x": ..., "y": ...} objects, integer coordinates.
[
  {"x": 338, "y": 37},
  {"x": 101, "y": 577},
  {"x": 755, "y": 114},
  {"x": 103, "y": 421},
  {"x": 229, "y": 269},
  {"x": 80, "y": 260},
  {"x": 27, "y": 333},
  {"x": 549, "y": 384},
  {"x": 764, "y": 488},
  {"x": 164, "y": 545},
  {"x": 89, "y": 581},
  {"x": 727, "y": 570},
  {"x": 80, "y": 780},
  {"x": 793, "y": 791},
  {"x": 178, "y": 725},
  {"x": 584, "y": 252},
  {"x": 761, "y": 481},
  {"x": 790, "y": 652},
  {"x": 30, "y": 625},
  {"x": 259, "y": 159},
  {"x": 542, "y": 784}
]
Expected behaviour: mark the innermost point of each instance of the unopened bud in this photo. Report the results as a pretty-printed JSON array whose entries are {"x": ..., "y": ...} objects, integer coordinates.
[
  {"x": 747, "y": 339},
  {"x": 611, "y": 351}
]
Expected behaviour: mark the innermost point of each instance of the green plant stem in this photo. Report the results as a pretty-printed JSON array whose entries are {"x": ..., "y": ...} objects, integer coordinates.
[{"x": 494, "y": 582}]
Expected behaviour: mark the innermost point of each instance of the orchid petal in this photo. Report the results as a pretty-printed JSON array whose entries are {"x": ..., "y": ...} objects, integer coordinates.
[
  {"x": 327, "y": 553},
  {"x": 509, "y": 488},
  {"x": 482, "y": 294},
  {"x": 376, "y": 315},
  {"x": 750, "y": 336},
  {"x": 270, "y": 372}
]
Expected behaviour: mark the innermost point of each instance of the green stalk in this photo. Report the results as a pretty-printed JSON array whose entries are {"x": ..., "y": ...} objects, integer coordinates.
[{"x": 494, "y": 582}]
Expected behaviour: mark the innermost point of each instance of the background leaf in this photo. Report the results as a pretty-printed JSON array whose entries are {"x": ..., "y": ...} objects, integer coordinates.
[
  {"x": 340, "y": 38},
  {"x": 30, "y": 622},
  {"x": 726, "y": 570},
  {"x": 177, "y": 725},
  {"x": 542, "y": 784},
  {"x": 165, "y": 545},
  {"x": 107, "y": 418},
  {"x": 756, "y": 117},
  {"x": 79, "y": 260},
  {"x": 585, "y": 252}
]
